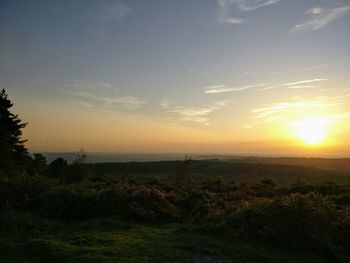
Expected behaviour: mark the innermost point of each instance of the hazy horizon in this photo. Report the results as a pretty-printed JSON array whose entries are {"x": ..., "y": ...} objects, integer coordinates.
[
  {"x": 98, "y": 157},
  {"x": 234, "y": 77}
]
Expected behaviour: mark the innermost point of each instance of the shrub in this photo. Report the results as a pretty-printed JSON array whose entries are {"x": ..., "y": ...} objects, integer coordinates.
[
  {"x": 310, "y": 222},
  {"x": 150, "y": 203},
  {"x": 181, "y": 177},
  {"x": 77, "y": 203},
  {"x": 66, "y": 203},
  {"x": 195, "y": 205},
  {"x": 16, "y": 191},
  {"x": 114, "y": 201}
]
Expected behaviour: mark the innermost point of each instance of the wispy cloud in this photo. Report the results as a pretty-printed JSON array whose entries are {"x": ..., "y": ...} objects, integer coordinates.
[
  {"x": 82, "y": 103},
  {"x": 225, "y": 15},
  {"x": 286, "y": 106},
  {"x": 199, "y": 73},
  {"x": 224, "y": 88},
  {"x": 114, "y": 10},
  {"x": 302, "y": 82},
  {"x": 296, "y": 84},
  {"x": 192, "y": 114},
  {"x": 125, "y": 102},
  {"x": 250, "y": 73},
  {"x": 301, "y": 87},
  {"x": 320, "y": 17},
  {"x": 249, "y": 5},
  {"x": 227, "y": 8},
  {"x": 101, "y": 94},
  {"x": 310, "y": 68},
  {"x": 288, "y": 110}
]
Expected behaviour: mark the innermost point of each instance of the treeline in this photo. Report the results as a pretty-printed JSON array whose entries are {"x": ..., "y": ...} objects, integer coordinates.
[
  {"x": 332, "y": 164},
  {"x": 209, "y": 167}
]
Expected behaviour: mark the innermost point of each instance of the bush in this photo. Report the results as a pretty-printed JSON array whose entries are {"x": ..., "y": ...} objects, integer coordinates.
[
  {"x": 66, "y": 203},
  {"x": 16, "y": 191},
  {"x": 310, "y": 222},
  {"x": 150, "y": 203},
  {"x": 114, "y": 201},
  {"x": 77, "y": 203}
]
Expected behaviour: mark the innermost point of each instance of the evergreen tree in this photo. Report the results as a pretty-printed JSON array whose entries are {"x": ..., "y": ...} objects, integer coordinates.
[{"x": 13, "y": 154}]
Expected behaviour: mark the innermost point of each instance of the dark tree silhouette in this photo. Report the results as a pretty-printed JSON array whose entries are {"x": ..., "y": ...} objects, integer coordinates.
[
  {"x": 13, "y": 154},
  {"x": 79, "y": 170},
  {"x": 59, "y": 169}
]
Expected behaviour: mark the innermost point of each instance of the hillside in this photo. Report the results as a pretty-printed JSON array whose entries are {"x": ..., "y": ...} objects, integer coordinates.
[
  {"x": 336, "y": 164},
  {"x": 241, "y": 170}
]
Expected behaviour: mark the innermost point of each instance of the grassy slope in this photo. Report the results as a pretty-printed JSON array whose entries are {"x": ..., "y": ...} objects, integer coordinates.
[{"x": 116, "y": 240}]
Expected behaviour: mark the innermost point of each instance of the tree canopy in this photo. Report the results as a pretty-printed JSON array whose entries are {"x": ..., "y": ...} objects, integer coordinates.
[{"x": 13, "y": 154}]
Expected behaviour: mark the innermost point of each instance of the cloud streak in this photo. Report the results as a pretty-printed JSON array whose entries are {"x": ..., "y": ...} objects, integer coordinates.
[
  {"x": 223, "y": 88},
  {"x": 125, "y": 102},
  {"x": 286, "y": 106},
  {"x": 199, "y": 73},
  {"x": 296, "y": 84},
  {"x": 249, "y": 5},
  {"x": 114, "y": 11},
  {"x": 213, "y": 89},
  {"x": 302, "y": 82},
  {"x": 319, "y": 17},
  {"x": 301, "y": 87},
  {"x": 310, "y": 68},
  {"x": 102, "y": 94},
  {"x": 228, "y": 6},
  {"x": 192, "y": 114},
  {"x": 283, "y": 112}
]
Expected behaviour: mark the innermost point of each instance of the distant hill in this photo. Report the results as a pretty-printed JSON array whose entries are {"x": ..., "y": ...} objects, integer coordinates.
[
  {"x": 232, "y": 170},
  {"x": 339, "y": 164},
  {"x": 129, "y": 157}
]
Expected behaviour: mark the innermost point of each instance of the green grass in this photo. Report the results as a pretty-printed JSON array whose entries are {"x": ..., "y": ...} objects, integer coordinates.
[{"x": 116, "y": 240}]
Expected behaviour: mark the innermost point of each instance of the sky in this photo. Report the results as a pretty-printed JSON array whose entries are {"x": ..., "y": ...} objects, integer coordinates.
[{"x": 188, "y": 76}]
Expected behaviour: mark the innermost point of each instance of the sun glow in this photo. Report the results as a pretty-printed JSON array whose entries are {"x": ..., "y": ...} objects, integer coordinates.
[{"x": 312, "y": 131}]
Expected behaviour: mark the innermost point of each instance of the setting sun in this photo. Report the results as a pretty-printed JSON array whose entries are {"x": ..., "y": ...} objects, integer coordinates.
[{"x": 312, "y": 131}]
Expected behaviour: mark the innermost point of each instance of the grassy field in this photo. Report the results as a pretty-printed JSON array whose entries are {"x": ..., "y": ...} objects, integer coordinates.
[{"x": 117, "y": 240}]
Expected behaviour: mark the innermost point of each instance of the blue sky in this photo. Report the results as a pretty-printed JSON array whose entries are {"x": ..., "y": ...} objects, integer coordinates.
[{"x": 209, "y": 75}]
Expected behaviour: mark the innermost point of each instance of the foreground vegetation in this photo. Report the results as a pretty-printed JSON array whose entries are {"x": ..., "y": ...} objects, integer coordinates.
[{"x": 179, "y": 218}]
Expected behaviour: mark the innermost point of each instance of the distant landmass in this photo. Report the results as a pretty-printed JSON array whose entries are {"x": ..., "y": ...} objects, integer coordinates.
[
  {"x": 129, "y": 157},
  {"x": 336, "y": 164}
]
